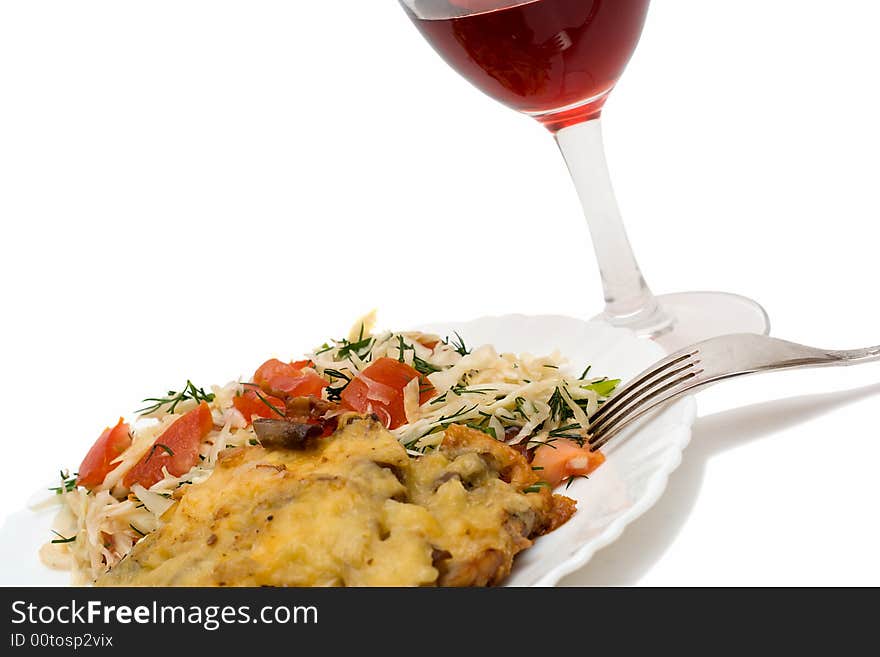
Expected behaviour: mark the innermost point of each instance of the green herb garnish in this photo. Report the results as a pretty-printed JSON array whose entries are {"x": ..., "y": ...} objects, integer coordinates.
[
  {"x": 559, "y": 409},
  {"x": 566, "y": 432},
  {"x": 190, "y": 391},
  {"x": 423, "y": 367},
  {"x": 479, "y": 427},
  {"x": 153, "y": 449},
  {"x": 68, "y": 483},
  {"x": 403, "y": 347},
  {"x": 604, "y": 387},
  {"x": 269, "y": 404},
  {"x": 335, "y": 394},
  {"x": 458, "y": 345},
  {"x": 63, "y": 539},
  {"x": 355, "y": 348},
  {"x": 572, "y": 478}
]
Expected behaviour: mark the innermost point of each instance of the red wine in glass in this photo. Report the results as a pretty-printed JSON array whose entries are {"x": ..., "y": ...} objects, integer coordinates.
[{"x": 557, "y": 61}]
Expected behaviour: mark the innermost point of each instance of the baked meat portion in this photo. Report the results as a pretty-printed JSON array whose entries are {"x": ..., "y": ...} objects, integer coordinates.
[{"x": 352, "y": 509}]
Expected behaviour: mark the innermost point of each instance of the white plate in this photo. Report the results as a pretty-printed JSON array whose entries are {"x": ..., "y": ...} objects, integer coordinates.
[{"x": 621, "y": 490}]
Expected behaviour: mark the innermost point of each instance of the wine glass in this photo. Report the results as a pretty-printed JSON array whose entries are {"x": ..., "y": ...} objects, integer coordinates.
[{"x": 557, "y": 61}]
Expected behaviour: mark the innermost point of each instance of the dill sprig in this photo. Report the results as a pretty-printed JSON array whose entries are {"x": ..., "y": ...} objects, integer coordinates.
[
  {"x": 361, "y": 348},
  {"x": 448, "y": 419},
  {"x": 336, "y": 374},
  {"x": 68, "y": 483},
  {"x": 423, "y": 367},
  {"x": 153, "y": 449},
  {"x": 335, "y": 393},
  {"x": 445, "y": 420},
  {"x": 62, "y": 539},
  {"x": 259, "y": 394},
  {"x": 269, "y": 404},
  {"x": 572, "y": 478},
  {"x": 534, "y": 443},
  {"x": 457, "y": 344},
  {"x": 462, "y": 390},
  {"x": 403, "y": 347},
  {"x": 559, "y": 409},
  {"x": 174, "y": 398},
  {"x": 481, "y": 427},
  {"x": 536, "y": 487},
  {"x": 566, "y": 432},
  {"x": 420, "y": 365}
]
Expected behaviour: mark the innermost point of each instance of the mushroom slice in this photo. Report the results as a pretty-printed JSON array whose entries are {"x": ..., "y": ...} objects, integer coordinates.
[{"x": 286, "y": 434}]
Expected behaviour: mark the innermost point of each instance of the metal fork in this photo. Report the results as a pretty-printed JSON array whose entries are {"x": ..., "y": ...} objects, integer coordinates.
[{"x": 704, "y": 364}]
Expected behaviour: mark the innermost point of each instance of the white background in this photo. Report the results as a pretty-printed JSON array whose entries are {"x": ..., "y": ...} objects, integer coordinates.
[{"x": 188, "y": 188}]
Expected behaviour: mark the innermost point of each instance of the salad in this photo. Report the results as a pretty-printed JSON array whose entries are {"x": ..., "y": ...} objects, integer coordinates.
[{"x": 416, "y": 384}]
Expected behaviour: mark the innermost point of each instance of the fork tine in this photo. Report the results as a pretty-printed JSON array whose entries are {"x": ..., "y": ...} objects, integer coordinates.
[
  {"x": 647, "y": 404},
  {"x": 635, "y": 397},
  {"x": 643, "y": 378},
  {"x": 639, "y": 407},
  {"x": 629, "y": 394}
]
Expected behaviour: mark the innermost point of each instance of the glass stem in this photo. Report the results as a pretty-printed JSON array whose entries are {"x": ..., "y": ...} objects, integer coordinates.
[{"x": 628, "y": 299}]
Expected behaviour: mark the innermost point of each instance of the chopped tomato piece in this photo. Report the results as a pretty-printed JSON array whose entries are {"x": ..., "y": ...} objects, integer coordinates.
[
  {"x": 252, "y": 403},
  {"x": 98, "y": 463},
  {"x": 307, "y": 384},
  {"x": 289, "y": 379},
  {"x": 176, "y": 449},
  {"x": 273, "y": 368},
  {"x": 379, "y": 389},
  {"x": 564, "y": 459}
]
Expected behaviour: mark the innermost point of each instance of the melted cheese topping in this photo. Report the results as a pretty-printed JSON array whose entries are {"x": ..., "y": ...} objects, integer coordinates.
[{"x": 355, "y": 510}]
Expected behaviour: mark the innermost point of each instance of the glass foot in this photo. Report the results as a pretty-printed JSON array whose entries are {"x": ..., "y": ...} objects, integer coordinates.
[{"x": 697, "y": 316}]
